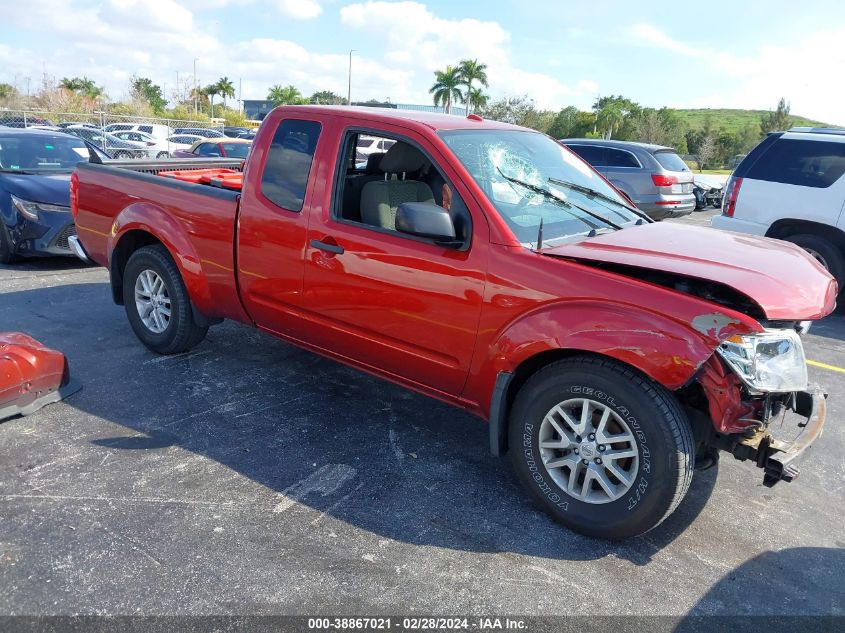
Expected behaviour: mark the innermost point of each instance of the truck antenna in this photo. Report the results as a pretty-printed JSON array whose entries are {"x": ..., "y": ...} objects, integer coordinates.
[{"x": 540, "y": 236}]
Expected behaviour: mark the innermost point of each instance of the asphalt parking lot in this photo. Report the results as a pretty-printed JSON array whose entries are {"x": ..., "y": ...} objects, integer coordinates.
[{"x": 248, "y": 476}]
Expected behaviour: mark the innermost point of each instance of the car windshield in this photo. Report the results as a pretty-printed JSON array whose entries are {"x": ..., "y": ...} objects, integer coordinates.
[
  {"x": 532, "y": 180},
  {"x": 41, "y": 153},
  {"x": 236, "y": 150}
]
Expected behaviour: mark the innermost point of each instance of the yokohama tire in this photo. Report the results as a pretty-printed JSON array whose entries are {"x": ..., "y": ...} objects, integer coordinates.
[
  {"x": 658, "y": 474},
  {"x": 179, "y": 332}
]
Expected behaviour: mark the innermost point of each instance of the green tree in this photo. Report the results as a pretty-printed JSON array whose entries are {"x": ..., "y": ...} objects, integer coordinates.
[
  {"x": 446, "y": 88},
  {"x": 210, "y": 91},
  {"x": 519, "y": 110},
  {"x": 776, "y": 121},
  {"x": 287, "y": 95},
  {"x": 143, "y": 89},
  {"x": 660, "y": 127},
  {"x": 571, "y": 123},
  {"x": 475, "y": 99},
  {"x": 7, "y": 91},
  {"x": 82, "y": 86},
  {"x": 608, "y": 119},
  {"x": 225, "y": 88},
  {"x": 327, "y": 97},
  {"x": 471, "y": 71}
]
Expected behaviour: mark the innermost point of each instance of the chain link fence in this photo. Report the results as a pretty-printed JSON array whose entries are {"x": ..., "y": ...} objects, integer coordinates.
[{"x": 120, "y": 136}]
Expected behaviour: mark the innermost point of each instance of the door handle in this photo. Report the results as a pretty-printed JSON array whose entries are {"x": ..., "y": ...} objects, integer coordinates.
[{"x": 330, "y": 247}]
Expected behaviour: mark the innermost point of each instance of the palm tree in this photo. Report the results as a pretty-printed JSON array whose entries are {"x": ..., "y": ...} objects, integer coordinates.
[
  {"x": 609, "y": 118},
  {"x": 470, "y": 71},
  {"x": 82, "y": 86},
  {"x": 446, "y": 88},
  {"x": 225, "y": 88},
  {"x": 209, "y": 91},
  {"x": 285, "y": 95},
  {"x": 475, "y": 100}
]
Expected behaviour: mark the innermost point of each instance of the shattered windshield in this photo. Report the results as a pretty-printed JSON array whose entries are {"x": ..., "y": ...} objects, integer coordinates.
[{"x": 532, "y": 180}]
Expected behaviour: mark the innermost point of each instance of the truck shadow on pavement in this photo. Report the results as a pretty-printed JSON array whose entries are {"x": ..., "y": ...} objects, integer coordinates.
[
  {"x": 317, "y": 436},
  {"x": 764, "y": 594}
]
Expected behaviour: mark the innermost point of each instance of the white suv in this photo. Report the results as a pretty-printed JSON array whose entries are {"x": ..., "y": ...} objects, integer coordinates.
[{"x": 791, "y": 187}]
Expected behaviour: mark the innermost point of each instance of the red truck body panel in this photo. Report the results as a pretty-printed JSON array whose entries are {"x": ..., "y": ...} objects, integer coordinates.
[{"x": 445, "y": 322}]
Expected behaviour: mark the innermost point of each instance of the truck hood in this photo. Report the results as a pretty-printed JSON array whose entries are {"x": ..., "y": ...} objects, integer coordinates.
[
  {"x": 46, "y": 188},
  {"x": 778, "y": 276}
]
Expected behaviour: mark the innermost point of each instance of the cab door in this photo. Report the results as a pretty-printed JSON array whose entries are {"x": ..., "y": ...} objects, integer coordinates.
[
  {"x": 402, "y": 305},
  {"x": 272, "y": 223}
]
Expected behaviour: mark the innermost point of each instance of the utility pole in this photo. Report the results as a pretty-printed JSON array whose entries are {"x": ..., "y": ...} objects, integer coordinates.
[
  {"x": 241, "y": 94},
  {"x": 195, "y": 86},
  {"x": 349, "y": 88}
]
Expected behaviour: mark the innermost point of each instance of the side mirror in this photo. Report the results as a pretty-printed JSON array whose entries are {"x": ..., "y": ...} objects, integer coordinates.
[{"x": 426, "y": 219}]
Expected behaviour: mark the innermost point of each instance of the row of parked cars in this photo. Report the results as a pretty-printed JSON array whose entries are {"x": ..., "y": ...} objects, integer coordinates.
[
  {"x": 148, "y": 140},
  {"x": 36, "y": 163}
]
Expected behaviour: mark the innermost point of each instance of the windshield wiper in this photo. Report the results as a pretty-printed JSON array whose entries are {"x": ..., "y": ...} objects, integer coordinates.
[
  {"x": 592, "y": 193},
  {"x": 565, "y": 203}
]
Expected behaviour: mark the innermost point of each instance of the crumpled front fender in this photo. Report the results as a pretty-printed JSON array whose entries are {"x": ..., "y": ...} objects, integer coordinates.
[{"x": 31, "y": 375}]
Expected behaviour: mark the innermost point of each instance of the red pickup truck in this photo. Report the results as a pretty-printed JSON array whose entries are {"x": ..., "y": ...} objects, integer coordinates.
[{"x": 487, "y": 266}]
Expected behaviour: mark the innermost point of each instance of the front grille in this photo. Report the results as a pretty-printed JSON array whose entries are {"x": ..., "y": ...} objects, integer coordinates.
[{"x": 61, "y": 238}]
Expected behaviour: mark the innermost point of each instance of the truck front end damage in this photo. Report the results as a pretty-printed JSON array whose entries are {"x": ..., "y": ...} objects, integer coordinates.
[{"x": 749, "y": 387}]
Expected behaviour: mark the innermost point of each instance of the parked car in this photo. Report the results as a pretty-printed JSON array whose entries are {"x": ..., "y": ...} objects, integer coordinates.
[
  {"x": 159, "y": 148},
  {"x": 229, "y": 148},
  {"x": 65, "y": 124},
  {"x": 182, "y": 142},
  {"x": 791, "y": 187},
  {"x": 708, "y": 190},
  {"x": 19, "y": 121},
  {"x": 609, "y": 352},
  {"x": 156, "y": 130},
  {"x": 204, "y": 132},
  {"x": 109, "y": 143},
  {"x": 237, "y": 131},
  {"x": 35, "y": 168},
  {"x": 652, "y": 176}
]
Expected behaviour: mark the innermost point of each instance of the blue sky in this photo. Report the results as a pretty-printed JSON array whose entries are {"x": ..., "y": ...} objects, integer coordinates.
[{"x": 715, "y": 54}]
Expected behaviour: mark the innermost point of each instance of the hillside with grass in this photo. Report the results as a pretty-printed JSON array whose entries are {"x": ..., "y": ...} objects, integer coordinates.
[{"x": 733, "y": 121}]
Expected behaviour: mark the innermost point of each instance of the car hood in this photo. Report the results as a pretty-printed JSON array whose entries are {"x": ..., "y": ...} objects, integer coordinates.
[
  {"x": 778, "y": 276},
  {"x": 46, "y": 188}
]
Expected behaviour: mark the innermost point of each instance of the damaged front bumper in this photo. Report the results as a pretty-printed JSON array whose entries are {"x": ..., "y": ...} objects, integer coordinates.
[
  {"x": 31, "y": 375},
  {"x": 778, "y": 458}
]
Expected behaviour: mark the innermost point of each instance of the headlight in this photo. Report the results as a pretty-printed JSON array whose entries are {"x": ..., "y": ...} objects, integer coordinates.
[
  {"x": 30, "y": 209},
  {"x": 770, "y": 361}
]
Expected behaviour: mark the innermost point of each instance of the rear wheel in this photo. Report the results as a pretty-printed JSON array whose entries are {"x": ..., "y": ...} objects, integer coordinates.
[
  {"x": 826, "y": 253},
  {"x": 603, "y": 449},
  {"x": 162, "y": 155},
  {"x": 157, "y": 303}
]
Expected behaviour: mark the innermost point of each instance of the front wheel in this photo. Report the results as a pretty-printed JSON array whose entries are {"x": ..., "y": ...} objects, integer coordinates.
[
  {"x": 162, "y": 155},
  {"x": 7, "y": 252},
  {"x": 157, "y": 303},
  {"x": 602, "y": 448}
]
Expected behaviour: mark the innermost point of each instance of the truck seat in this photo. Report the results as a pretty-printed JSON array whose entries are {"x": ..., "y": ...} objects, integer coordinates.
[{"x": 380, "y": 199}]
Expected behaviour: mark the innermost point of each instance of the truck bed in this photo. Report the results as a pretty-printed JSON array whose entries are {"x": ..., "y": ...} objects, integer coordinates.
[{"x": 196, "y": 222}]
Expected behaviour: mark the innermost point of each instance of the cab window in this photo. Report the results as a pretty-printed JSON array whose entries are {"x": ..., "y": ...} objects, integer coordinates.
[{"x": 288, "y": 163}]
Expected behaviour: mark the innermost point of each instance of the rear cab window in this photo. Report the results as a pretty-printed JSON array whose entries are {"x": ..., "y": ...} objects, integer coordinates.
[
  {"x": 800, "y": 162},
  {"x": 288, "y": 164},
  {"x": 670, "y": 161}
]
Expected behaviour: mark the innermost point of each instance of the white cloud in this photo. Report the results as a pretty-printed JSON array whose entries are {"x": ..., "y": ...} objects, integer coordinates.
[
  {"x": 803, "y": 70},
  {"x": 300, "y": 9},
  {"x": 418, "y": 40}
]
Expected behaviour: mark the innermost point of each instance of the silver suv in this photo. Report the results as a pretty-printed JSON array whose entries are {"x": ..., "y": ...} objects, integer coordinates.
[{"x": 652, "y": 176}]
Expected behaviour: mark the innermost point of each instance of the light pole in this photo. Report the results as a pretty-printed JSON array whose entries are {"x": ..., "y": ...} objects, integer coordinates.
[
  {"x": 349, "y": 88},
  {"x": 195, "y": 85}
]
